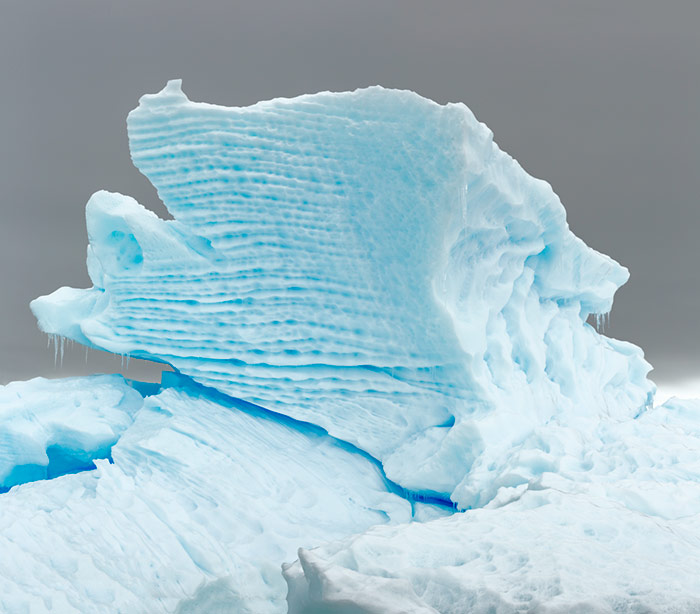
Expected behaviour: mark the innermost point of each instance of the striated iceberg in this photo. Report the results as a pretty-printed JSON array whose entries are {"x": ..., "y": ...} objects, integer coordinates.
[
  {"x": 369, "y": 262},
  {"x": 383, "y": 370}
]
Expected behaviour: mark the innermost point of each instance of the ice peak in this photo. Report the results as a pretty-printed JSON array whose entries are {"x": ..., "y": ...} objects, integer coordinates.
[{"x": 171, "y": 94}]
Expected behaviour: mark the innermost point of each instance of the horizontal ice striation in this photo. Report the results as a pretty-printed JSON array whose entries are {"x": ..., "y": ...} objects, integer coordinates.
[
  {"x": 370, "y": 262},
  {"x": 204, "y": 501},
  {"x": 51, "y": 428}
]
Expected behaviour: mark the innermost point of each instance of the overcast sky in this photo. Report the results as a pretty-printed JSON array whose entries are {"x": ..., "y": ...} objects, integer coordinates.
[{"x": 600, "y": 98}]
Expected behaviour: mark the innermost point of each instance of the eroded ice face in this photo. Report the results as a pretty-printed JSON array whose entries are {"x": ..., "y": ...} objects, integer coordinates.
[{"x": 370, "y": 262}]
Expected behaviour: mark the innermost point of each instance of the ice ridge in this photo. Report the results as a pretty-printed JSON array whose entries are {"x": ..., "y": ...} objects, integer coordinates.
[
  {"x": 204, "y": 500},
  {"x": 370, "y": 262}
]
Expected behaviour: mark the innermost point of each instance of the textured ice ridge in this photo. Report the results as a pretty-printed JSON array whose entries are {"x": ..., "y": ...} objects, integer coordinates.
[{"x": 370, "y": 262}]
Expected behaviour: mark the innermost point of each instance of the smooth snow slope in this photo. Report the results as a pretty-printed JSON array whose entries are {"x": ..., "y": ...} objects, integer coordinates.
[
  {"x": 370, "y": 262},
  {"x": 204, "y": 501}
]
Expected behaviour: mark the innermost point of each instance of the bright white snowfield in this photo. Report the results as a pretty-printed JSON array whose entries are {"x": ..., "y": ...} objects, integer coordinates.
[{"x": 386, "y": 392}]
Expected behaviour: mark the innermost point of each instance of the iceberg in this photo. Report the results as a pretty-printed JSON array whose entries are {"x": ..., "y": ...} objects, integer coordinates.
[
  {"x": 386, "y": 396},
  {"x": 370, "y": 262}
]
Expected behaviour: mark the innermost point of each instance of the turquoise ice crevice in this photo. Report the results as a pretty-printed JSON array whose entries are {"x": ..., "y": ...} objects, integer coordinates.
[{"x": 369, "y": 262}]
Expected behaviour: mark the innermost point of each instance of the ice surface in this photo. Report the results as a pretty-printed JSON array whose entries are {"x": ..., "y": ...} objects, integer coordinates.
[
  {"x": 613, "y": 527},
  {"x": 49, "y": 428},
  {"x": 204, "y": 501},
  {"x": 546, "y": 553},
  {"x": 370, "y": 262}
]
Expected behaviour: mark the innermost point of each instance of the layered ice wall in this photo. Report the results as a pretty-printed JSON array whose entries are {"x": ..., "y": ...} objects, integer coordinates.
[{"x": 370, "y": 262}]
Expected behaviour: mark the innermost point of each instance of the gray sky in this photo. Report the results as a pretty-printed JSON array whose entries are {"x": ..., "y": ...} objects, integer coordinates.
[{"x": 600, "y": 98}]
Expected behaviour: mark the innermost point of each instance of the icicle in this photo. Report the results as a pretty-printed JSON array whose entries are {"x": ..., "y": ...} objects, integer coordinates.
[
  {"x": 602, "y": 321},
  {"x": 62, "y": 342},
  {"x": 125, "y": 360}
]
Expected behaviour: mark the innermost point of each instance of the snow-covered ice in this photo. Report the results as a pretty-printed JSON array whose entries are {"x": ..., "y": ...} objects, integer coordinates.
[
  {"x": 548, "y": 553},
  {"x": 623, "y": 536},
  {"x": 378, "y": 325}
]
